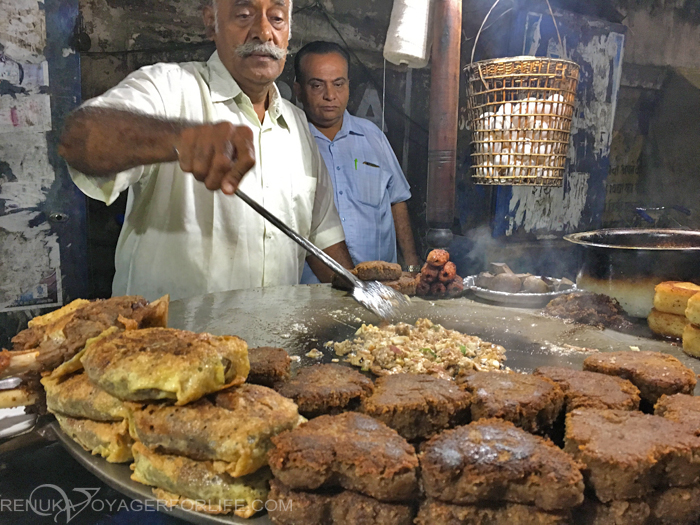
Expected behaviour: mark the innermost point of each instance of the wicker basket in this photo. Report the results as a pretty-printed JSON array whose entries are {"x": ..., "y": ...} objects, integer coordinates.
[{"x": 519, "y": 112}]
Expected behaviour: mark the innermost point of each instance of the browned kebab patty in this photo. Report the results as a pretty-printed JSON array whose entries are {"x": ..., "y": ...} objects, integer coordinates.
[
  {"x": 681, "y": 408},
  {"x": 674, "y": 506},
  {"x": 591, "y": 390},
  {"x": 530, "y": 402},
  {"x": 268, "y": 365},
  {"x": 434, "y": 512},
  {"x": 653, "y": 373},
  {"x": 619, "y": 512},
  {"x": 628, "y": 454},
  {"x": 406, "y": 284},
  {"x": 378, "y": 271},
  {"x": 326, "y": 389},
  {"x": 589, "y": 308},
  {"x": 493, "y": 460},
  {"x": 417, "y": 405},
  {"x": 349, "y": 450},
  {"x": 294, "y": 507}
]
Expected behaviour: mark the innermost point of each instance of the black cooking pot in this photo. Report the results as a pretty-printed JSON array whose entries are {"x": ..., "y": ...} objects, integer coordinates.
[{"x": 628, "y": 263}]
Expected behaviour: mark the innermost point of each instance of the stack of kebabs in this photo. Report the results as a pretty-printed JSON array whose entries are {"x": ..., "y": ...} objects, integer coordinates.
[
  {"x": 438, "y": 277},
  {"x": 56, "y": 337},
  {"x": 175, "y": 403}
]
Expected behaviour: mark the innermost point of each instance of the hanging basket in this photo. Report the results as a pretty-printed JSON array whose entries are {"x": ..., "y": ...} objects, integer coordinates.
[{"x": 519, "y": 111}]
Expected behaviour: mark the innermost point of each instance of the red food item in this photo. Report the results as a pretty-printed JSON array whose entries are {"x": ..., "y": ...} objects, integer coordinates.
[
  {"x": 422, "y": 288},
  {"x": 456, "y": 286},
  {"x": 448, "y": 272},
  {"x": 438, "y": 257},
  {"x": 438, "y": 289},
  {"x": 429, "y": 274}
]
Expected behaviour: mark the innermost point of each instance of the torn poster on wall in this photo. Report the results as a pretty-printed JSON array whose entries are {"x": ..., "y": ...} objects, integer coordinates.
[
  {"x": 30, "y": 275},
  {"x": 29, "y": 253}
]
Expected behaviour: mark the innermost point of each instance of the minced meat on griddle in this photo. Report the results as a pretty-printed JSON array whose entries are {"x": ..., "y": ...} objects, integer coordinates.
[{"x": 589, "y": 308}]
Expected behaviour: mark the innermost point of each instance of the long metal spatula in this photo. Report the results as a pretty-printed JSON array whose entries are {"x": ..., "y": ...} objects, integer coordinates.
[{"x": 376, "y": 297}]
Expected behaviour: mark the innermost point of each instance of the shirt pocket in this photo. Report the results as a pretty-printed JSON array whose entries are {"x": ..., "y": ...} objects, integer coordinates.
[
  {"x": 370, "y": 185},
  {"x": 302, "y": 207}
]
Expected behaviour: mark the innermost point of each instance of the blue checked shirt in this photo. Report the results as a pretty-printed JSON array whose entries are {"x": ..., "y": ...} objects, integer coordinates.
[{"x": 367, "y": 180}]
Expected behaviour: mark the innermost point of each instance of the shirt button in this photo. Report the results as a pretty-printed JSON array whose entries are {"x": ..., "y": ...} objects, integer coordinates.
[
  {"x": 343, "y": 219},
  {"x": 341, "y": 192},
  {"x": 338, "y": 168}
]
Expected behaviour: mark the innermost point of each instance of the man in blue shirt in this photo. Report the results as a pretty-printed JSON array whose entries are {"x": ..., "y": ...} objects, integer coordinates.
[{"x": 370, "y": 188}]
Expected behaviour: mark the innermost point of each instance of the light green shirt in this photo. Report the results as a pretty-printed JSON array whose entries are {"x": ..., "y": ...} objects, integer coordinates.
[{"x": 182, "y": 239}]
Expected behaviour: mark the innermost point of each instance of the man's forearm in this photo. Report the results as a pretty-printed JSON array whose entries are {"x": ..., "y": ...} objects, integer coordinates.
[
  {"x": 105, "y": 141},
  {"x": 339, "y": 252},
  {"x": 404, "y": 234}
]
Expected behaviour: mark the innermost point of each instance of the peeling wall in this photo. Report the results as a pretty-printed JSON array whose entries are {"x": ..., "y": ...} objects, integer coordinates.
[
  {"x": 41, "y": 261},
  {"x": 29, "y": 254}
]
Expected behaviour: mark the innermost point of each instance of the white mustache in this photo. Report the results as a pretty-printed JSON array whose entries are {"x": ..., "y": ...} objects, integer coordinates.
[{"x": 266, "y": 48}]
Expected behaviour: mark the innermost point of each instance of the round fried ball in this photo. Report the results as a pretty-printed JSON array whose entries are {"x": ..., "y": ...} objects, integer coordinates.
[
  {"x": 438, "y": 289},
  {"x": 428, "y": 274},
  {"x": 448, "y": 272},
  {"x": 438, "y": 257}
]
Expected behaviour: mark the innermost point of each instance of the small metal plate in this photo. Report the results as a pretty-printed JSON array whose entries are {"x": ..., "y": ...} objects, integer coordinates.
[{"x": 522, "y": 299}]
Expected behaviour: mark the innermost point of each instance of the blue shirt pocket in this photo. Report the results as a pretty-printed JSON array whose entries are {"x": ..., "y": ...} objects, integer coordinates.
[{"x": 370, "y": 185}]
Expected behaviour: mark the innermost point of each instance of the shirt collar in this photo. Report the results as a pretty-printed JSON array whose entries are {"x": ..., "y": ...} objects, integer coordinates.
[
  {"x": 349, "y": 127},
  {"x": 223, "y": 87}
]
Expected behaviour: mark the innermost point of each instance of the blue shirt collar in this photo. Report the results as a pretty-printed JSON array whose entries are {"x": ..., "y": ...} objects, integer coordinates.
[{"x": 349, "y": 127}]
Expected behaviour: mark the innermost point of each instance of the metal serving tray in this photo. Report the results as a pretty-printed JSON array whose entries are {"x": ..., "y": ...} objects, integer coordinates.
[
  {"x": 302, "y": 318},
  {"x": 524, "y": 299}
]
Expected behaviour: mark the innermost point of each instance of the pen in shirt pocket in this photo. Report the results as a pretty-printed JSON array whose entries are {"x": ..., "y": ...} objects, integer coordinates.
[{"x": 370, "y": 164}]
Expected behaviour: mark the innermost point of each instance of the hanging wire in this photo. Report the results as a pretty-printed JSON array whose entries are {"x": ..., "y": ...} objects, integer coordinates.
[{"x": 383, "y": 93}]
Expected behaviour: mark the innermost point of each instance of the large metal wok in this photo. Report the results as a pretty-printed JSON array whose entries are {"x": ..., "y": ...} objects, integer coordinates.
[
  {"x": 628, "y": 263},
  {"x": 301, "y": 318}
]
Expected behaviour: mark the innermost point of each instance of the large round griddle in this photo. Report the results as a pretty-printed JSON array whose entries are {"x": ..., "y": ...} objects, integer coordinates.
[{"x": 301, "y": 318}]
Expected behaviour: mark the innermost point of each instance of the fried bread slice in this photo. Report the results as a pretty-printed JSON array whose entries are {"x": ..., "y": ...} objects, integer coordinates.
[
  {"x": 165, "y": 363},
  {"x": 672, "y": 296},
  {"x": 199, "y": 485},
  {"x": 665, "y": 324},
  {"x": 107, "y": 439},
  {"x": 76, "y": 396},
  {"x": 234, "y": 429},
  {"x": 692, "y": 311},
  {"x": 691, "y": 340}
]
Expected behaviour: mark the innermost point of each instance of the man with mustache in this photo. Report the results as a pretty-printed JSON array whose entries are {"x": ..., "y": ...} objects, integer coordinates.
[
  {"x": 370, "y": 188},
  {"x": 182, "y": 138}
]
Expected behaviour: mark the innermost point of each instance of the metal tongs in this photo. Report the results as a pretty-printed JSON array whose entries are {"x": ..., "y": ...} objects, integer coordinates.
[{"x": 376, "y": 297}]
